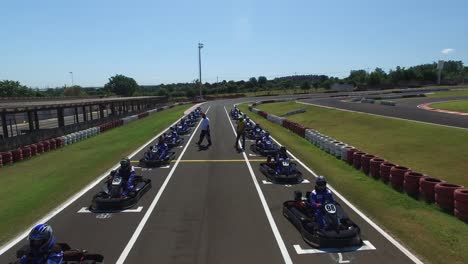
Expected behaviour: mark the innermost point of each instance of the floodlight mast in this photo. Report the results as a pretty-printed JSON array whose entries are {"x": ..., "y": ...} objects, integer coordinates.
[{"x": 200, "y": 46}]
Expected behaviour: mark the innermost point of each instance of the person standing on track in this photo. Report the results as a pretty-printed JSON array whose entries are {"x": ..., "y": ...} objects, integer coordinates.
[
  {"x": 205, "y": 130},
  {"x": 241, "y": 124}
]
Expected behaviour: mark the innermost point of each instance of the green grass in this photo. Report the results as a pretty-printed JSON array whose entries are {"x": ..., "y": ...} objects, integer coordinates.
[
  {"x": 430, "y": 233},
  {"x": 452, "y": 93},
  {"x": 437, "y": 151},
  {"x": 459, "y": 106},
  {"x": 32, "y": 188}
]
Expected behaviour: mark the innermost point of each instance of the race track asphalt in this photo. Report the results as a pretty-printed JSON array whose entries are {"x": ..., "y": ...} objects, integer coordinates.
[
  {"x": 405, "y": 108},
  {"x": 208, "y": 208}
]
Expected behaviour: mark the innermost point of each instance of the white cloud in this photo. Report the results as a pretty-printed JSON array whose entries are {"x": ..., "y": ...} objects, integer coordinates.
[{"x": 448, "y": 50}]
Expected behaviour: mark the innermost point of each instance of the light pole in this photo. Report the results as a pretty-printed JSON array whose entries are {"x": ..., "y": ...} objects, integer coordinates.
[
  {"x": 71, "y": 74},
  {"x": 200, "y": 46}
]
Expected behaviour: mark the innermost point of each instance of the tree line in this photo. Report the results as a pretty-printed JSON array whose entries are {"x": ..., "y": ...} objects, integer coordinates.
[{"x": 453, "y": 73}]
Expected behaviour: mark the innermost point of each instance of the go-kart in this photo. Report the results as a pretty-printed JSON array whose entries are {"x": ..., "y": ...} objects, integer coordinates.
[
  {"x": 172, "y": 141},
  {"x": 264, "y": 148},
  {"x": 255, "y": 133},
  {"x": 111, "y": 198},
  {"x": 249, "y": 126},
  {"x": 181, "y": 130},
  {"x": 75, "y": 256},
  {"x": 156, "y": 162},
  {"x": 235, "y": 114},
  {"x": 339, "y": 230},
  {"x": 281, "y": 172},
  {"x": 191, "y": 122}
]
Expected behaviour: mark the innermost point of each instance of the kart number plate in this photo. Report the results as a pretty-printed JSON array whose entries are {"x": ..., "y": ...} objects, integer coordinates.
[
  {"x": 330, "y": 208},
  {"x": 116, "y": 181},
  {"x": 285, "y": 164}
]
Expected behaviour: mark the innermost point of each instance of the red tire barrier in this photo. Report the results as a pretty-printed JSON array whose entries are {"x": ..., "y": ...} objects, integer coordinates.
[
  {"x": 385, "y": 168},
  {"x": 444, "y": 195},
  {"x": 411, "y": 182},
  {"x": 365, "y": 163},
  {"x": 357, "y": 159},
  {"x": 33, "y": 149},
  {"x": 461, "y": 195},
  {"x": 1, "y": 161},
  {"x": 17, "y": 155},
  {"x": 397, "y": 176},
  {"x": 59, "y": 142},
  {"x": 426, "y": 188},
  {"x": 46, "y": 145},
  {"x": 26, "y": 152},
  {"x": 7, "y": 157},
  {"x": 52, "y": 144},
  {"x": 350, "y": 155},
  {"x": 461, "y": 207},
  {"x": 374, "y": 167},
  {"x": 461, "y": 216},
  {"x": 40, "y": 147}
]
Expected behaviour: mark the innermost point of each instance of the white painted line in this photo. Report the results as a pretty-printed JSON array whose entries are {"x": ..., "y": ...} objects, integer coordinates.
[
  {"x": 254, "y": 155},
  {"x": 367, "y": 246},
  {"x": 165, "y": 167},
  {"x": 361, "y": 214},
  {"x": 269, "y": 182},
  {"x": 340, "y": 259},
  {"x": 75, "y": 197},
  {"x": 398, "y": 118},
  {"x": 271, "y": 220},
  {"x": 148, "y": 213},
  {"x": 266, "y": 182},
  {"x": 85, "y": 210}
]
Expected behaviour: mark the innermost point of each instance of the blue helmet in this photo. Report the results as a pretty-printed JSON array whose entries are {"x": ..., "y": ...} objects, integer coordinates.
[
  {"x": 321, "y": 183},
  {"x": 41, "y": 239}
]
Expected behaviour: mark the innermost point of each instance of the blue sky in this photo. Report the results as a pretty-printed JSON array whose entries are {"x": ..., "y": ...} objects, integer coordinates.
[{"x": 156, "y": 41}]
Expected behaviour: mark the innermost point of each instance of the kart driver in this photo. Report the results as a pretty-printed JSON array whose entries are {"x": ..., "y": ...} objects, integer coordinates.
[
  {"x": 318, "y": 197},
  {"x": 127, "y": 172},
  {"x": 42, "y": 247},
  {"x": 161, "y": 149}
]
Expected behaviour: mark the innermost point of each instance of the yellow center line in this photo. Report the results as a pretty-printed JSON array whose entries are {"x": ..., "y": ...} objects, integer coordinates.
[{"x": 226, "y": 160}]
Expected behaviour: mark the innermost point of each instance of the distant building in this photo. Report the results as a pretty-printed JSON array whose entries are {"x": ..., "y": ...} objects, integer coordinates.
[{"x": 342, "y": 87}]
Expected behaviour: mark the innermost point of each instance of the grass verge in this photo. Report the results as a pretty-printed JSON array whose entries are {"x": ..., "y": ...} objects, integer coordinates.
[
  {"x": 452, "y": 93},
  {"x": 430, "y": 233},
  {"x": 459, "y": 106},
  {"x": 32, "y": 188}
]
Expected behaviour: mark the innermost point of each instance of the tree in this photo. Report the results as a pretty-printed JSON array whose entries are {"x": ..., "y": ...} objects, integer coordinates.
[
  {"x": 75, "y": 90},
  {"x": 262, "y": 80},
  {"x": 10, "y": 88},
  {"x": 305, "y": 86},
  {"x": 121, "y": 85}
]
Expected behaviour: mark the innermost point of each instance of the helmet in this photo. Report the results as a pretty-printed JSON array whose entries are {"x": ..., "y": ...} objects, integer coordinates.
[
  {"x": 41, "y": 239},
  {"x": 125, "y": 164},
  {"x": 321, "y": 183},
  {"x": 282, "y": 150}
]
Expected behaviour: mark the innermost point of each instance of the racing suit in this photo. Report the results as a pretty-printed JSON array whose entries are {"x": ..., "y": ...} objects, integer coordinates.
[
  {"x": 317, "y": 199},
  {"x": 53, "y": 256},
  {"x": 279, "y": 158},
  {"x": 129, "y": 177},
  {"x": 161, "y": 150}
]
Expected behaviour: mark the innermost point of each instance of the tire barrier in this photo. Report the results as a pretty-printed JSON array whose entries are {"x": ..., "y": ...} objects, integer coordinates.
[
  {"x": 374, "y": 167},
  {"x": 365, "y": 163},
  {"x": 143, "y": 115},
  {"x": 397, "y": 176},
  {"x": 426, "y": 188},
  {"x": 40, "y": 148},
  {"x": 448, "y": 197},
  {"x": 59, "y": 142},
  {"x": 350, "y": 156},
  {"x": 390, "y": 103},
  {"x": 461, "y": 204},
  {"x": 46, "y": 145},
  {"x": 385, "y": 168},
  {"x": 7, "y": 157},
  {"x": 411, "y": 183},
  {"x": 26, "y": 152},
  {"x": 444, "y": 195},
  {"x": 53, "y": 144},
  {"x": 17, "y": 155},
  {"x": 33, "y": 149},
  {"x": 357, "y": 159},
  {"x": 1, "y": 161}
]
